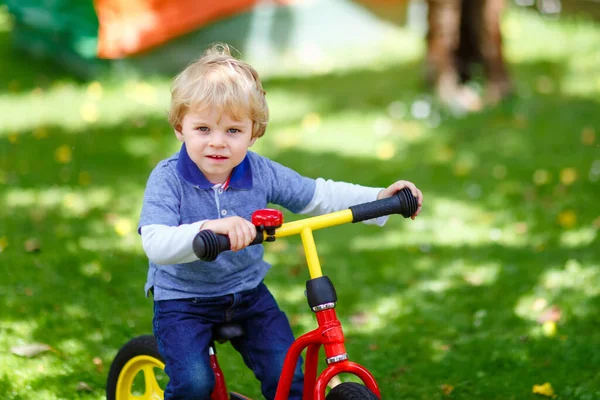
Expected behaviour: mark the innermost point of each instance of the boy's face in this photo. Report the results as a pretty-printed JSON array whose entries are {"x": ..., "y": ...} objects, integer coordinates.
[{"x": 215, "y": 142}]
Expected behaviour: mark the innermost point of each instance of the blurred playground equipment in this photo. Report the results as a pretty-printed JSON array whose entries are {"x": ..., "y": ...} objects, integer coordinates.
[
  {"x": 100, "y": 37},
  {"x": 90, "y": 37}
]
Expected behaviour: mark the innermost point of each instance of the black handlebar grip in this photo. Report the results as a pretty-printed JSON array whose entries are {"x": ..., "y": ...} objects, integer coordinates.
[
  {"x": 208, "y": 245},
  {"x": 403, "y": 203}
]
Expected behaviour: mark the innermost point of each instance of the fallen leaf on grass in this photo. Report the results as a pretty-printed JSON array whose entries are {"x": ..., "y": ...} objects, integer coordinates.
[
  {"x": 98, "y": 363},
  {"x": 32, "y": 245},
  {"x": 544, "y": 390},
  {"x": 63, "y": 154},
  {"x": 567, "y": 219},
  {"x": 447, "y": 389},
  {"x": 3, "y": 243},
  {"x": 83, "y": 387},
  {"x": 568, "y": 176},
  {"x": 588, "y": 136},
  {"x": 549, "y": 329},
  {"x": 30, "y": 350}
]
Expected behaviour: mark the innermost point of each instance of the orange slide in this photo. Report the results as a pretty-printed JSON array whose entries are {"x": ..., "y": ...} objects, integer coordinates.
[{"x": 128, "y": 27}]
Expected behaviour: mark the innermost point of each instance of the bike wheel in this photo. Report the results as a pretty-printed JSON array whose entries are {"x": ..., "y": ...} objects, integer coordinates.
[
  {"x": 138, "y": 357},
  {"x": 351, "y": 391}
]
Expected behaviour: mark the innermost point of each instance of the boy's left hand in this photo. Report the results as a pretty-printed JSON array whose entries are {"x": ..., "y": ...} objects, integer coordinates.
[{"x": 398, "y": 186}]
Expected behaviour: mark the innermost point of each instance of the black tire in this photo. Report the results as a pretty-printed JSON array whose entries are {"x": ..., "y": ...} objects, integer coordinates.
[
  {"x": 351, "y": 391},
  {"x": 140, "y": 346}
]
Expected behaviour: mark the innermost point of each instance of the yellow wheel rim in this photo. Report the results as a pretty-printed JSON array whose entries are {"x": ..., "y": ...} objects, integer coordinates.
[{"x": 145, "y": 365}]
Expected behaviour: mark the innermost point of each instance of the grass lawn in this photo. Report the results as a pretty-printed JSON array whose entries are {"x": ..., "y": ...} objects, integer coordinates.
[{"x": 494, "y": 289}]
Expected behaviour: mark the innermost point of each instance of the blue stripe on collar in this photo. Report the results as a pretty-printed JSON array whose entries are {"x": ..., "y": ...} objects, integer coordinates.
[{"x": 241, "y": 176}]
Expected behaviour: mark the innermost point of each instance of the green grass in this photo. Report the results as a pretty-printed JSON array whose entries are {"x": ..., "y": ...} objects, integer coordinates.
[{"x": 448, "y": 303}]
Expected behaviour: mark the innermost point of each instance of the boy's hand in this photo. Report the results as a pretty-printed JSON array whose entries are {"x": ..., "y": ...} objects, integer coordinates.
[
  {"x": 398, "y": 186},
  {"x": 241, "y": 232}
]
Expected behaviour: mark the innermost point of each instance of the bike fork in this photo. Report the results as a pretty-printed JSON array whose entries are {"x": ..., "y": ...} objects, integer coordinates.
[{"x": 220, "y": 390}]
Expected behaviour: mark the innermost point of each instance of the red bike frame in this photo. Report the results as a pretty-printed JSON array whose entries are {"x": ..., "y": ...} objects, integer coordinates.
[{"x": 329, "y": 334}]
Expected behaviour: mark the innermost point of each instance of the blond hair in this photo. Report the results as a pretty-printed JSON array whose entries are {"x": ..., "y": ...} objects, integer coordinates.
[{"x": 218, "y": 79}]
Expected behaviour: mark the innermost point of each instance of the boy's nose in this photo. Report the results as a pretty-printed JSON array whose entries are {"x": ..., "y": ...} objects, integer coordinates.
[{"x": 217, "y": 140}]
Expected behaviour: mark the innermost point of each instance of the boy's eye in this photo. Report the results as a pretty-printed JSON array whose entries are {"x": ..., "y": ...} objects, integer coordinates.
[
  {"x": 233, "y": 130},
  {"x": 202, "y": 128}
]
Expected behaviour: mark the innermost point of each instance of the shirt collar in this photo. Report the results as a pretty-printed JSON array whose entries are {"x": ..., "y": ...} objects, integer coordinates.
[
  {"x": 223, "y": 185},
  {"x": 240, "y": 178}
]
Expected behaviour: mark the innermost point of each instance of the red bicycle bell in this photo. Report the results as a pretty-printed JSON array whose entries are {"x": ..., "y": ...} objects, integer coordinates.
[{"x": 268, "y": 218}]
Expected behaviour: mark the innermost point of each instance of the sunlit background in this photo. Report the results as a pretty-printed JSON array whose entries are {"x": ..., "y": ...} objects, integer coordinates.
[{"x": 493, "y": 292}]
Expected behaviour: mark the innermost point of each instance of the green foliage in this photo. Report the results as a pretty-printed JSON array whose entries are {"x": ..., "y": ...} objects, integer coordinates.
[{"x": 495, "y": 288}]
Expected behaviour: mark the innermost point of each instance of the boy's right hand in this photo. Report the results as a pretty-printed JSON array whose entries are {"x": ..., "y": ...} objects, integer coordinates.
[{"x": 240, "y": 231}]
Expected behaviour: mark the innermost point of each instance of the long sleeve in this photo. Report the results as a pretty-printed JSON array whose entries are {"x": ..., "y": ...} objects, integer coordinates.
[
  {"x": 331, "y": 196},
  {"x": 170, "y": 244}
]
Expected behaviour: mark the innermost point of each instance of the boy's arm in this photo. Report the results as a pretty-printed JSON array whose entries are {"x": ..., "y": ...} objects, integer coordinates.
[
  {"x": 165, "y": 244},
  {"x": 303, "y": 195},
  {"x": 331, "y": 196},
  {"x": 164, "y": 240},
  {"x": 170, "y": 244}
]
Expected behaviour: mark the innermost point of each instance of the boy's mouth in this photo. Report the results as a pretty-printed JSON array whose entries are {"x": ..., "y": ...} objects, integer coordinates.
[{"x": 216, "y": 157}]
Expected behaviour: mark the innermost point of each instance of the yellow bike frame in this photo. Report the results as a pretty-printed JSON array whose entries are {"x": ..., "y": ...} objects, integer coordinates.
[{"x": 305, "y": 227}]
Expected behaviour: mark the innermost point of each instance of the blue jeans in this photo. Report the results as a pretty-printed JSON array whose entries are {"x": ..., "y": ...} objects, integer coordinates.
[{"x": 183, "y": 330}]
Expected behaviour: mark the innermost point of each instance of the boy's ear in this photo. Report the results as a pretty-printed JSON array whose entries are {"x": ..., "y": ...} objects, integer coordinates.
[
  {"x": 178, "y": 132},
  {"x": 252, "y": 141}
]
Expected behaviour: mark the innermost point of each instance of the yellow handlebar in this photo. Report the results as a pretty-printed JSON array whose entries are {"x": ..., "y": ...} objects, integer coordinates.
[
  {"x": 305, "y": 227},
  {"x": 207, "y": 245}
]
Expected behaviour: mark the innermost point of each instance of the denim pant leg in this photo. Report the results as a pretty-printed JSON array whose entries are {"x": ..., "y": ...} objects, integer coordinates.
[
  {"x": 267, "y": 340},
  {"x": 183, "y": 329}
]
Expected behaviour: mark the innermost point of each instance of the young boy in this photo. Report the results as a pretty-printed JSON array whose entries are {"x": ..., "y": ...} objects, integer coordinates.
[{"x": 218, "y": 110}]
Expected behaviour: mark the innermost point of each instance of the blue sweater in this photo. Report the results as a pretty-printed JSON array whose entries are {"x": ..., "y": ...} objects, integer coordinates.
[{"x": 178, "y": 193}]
